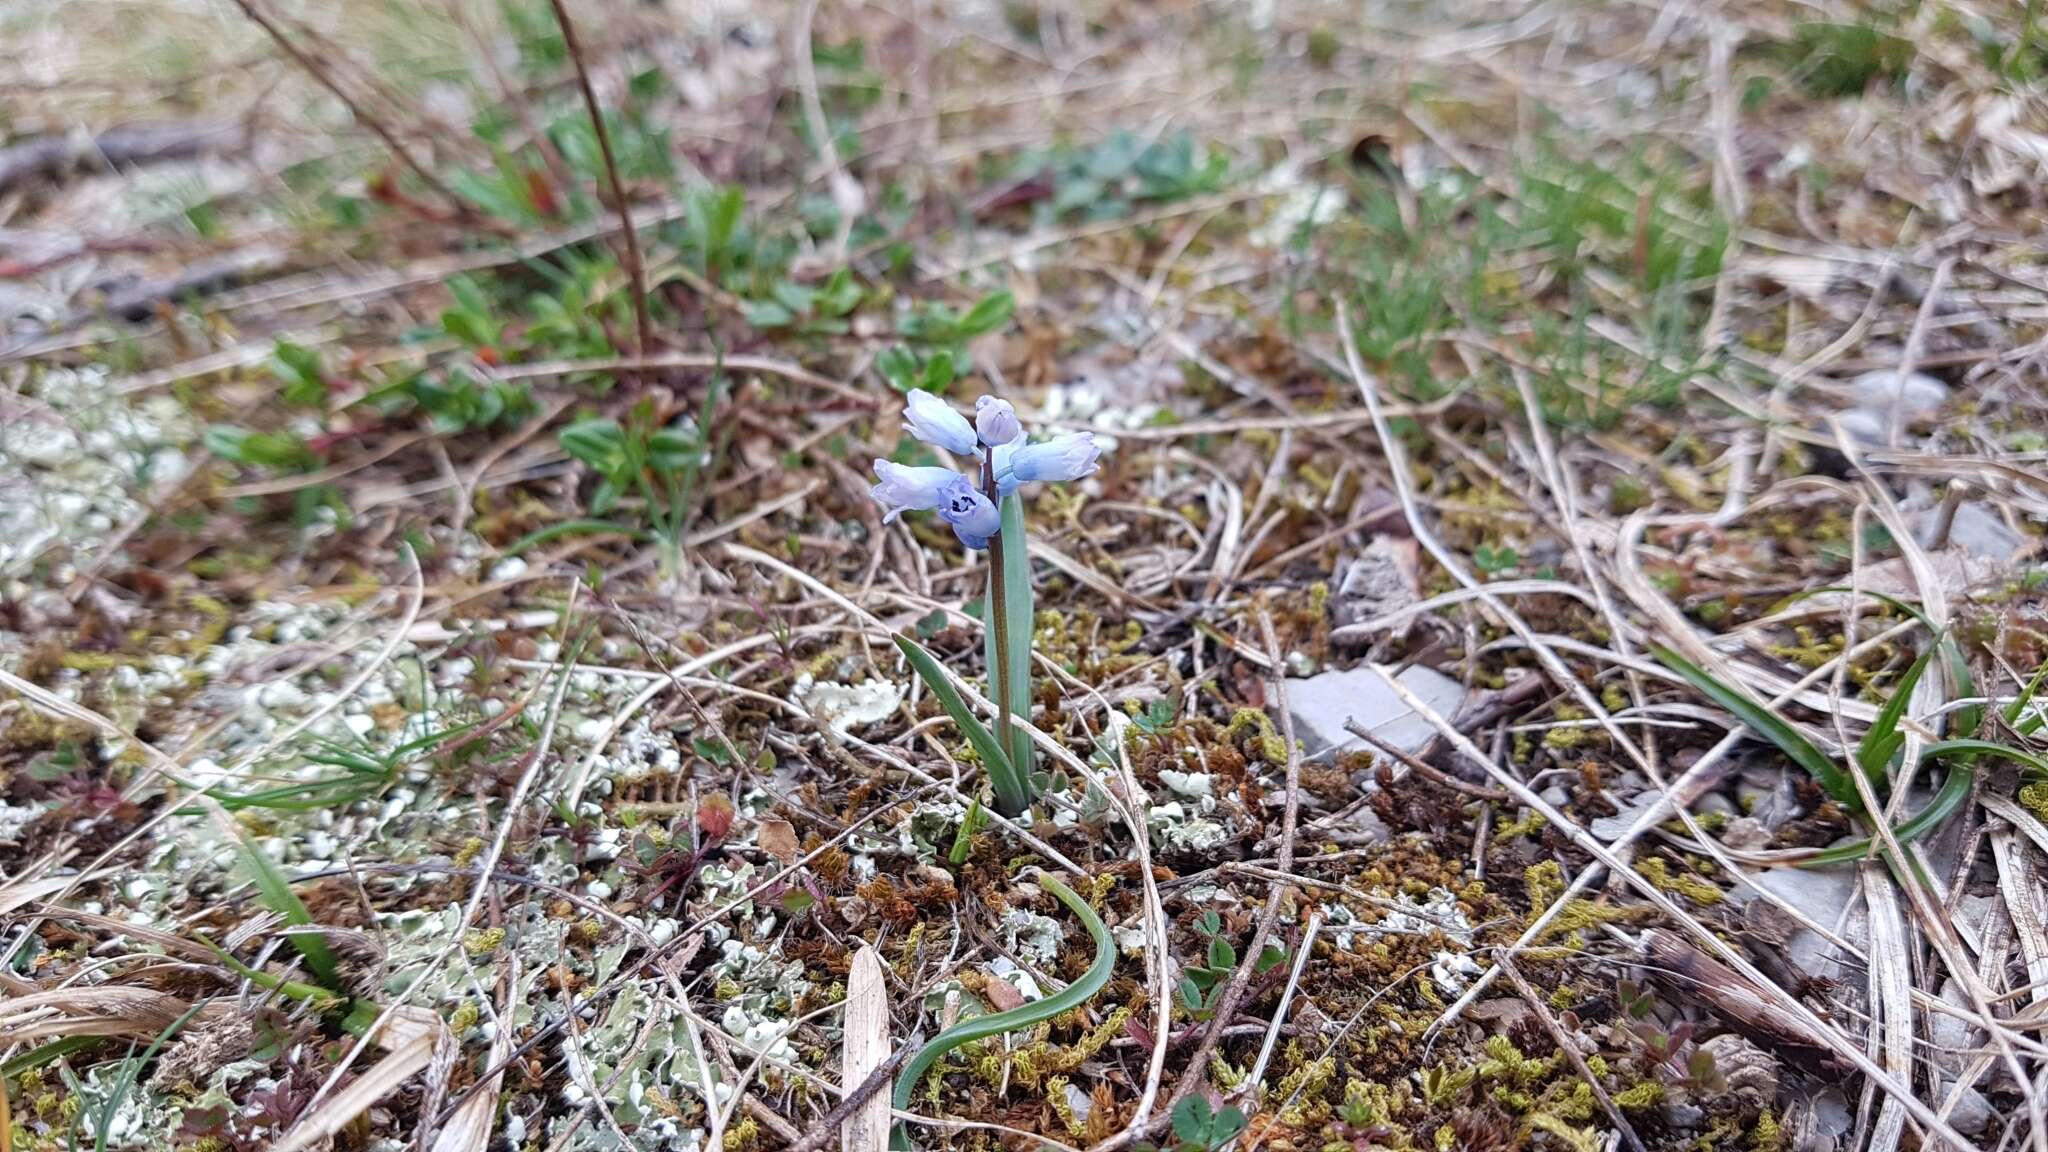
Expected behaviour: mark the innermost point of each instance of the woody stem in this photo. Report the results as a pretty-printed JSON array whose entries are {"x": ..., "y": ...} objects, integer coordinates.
[{"x": 993, "y": 612}]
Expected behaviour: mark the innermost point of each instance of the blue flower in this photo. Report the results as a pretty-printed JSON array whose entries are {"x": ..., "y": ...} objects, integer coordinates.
[
  {"x": 934, "y": 421},
  {"x": 996, "y": 422},
  {"x": 995, "y": 435},
  {"x": 973, "y": 516},
  {"x": 1067, "y": 457},
  {"x": 904, "y": 489}
]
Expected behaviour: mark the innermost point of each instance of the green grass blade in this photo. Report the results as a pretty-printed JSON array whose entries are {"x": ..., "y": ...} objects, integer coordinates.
[
  {"x": 1066, "y": 999},
  {"x": 2016, "y": 716},
  {"x": 1767, "y": 724},
  {"x": 1012, "y": 796},
  {"x": 1967, "y": 719},
  {"x": 1882, "y": 739},
  {"x": 128, "y": 1074},
  {"x": 1962, "y": 777},
  {"x": 541, "y": 536},
  {"x": 1969, "y": 749},
  {"x": 275, "y": 888},
  {"x": 46, "y": 1053},
  {"x": 1954, "y": 791}
]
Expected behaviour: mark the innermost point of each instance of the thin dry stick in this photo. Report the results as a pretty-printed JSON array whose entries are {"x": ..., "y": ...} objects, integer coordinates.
[
  {"x": 1571, "y": 1050},
  {"x": 1301, "y": 956},
  {"x": 1240, "y": 979},
  {"x": 320, "y": 76},
  {"x": 636, "y": 272}
]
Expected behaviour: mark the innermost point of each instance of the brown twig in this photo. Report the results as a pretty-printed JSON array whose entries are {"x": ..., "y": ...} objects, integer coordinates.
[
  {"x": 1571, "y": 1051},
  {"x": 826, "y": 1128},
  {"x": 1423, "y": 767},
  {"x": 376, "y": 126},
  {"x": 1240, "y": 978},
  {"x": 636, "y": 272}
]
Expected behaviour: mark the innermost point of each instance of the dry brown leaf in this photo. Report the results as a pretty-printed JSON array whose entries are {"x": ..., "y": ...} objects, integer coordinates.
[{"x": 778, "y": 839}]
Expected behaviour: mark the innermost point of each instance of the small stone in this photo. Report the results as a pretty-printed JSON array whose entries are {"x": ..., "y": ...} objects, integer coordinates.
[
  {"x": 1079, "y": 1103},
  {"x": 1322, "y": 703},
  {"x": 1976, "y": 529},
  {"x": 1820, "y": 896},
  {"x": 1915, "y": 397},
  {"x": 1918, "y": 394},
  {"x": 1972, "y": 1114},
  {"x": 1684, "y": 1117},
  {"x": 1380, "y": 581}
]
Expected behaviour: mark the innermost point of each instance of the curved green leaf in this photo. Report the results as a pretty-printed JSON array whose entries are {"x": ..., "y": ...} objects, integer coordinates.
[
  {"x": 1066, "y": 999},
  {"x": 1013, "y": 795},
  {"x": 1769, "y": 725}
]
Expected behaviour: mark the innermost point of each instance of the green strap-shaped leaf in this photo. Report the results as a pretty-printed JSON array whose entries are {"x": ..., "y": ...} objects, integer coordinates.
[
  {"x": 1769, "y": 725},
  {"x": 1962, "y": 777},
  {"x": 1012, "y": 797},
  {"x": 1882, "y": 739},
  {"x": 275, "y": 888},
  {"x": 1066, "y": 999}
]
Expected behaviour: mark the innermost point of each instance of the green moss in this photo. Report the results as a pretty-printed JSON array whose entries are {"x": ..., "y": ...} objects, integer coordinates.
[
  {"x": 1544, "y": 883},
  {"x": 2035, "y": 797},
  {"x": 1056, "y": 1097},
  {"x": 1305, "y": 1086},
  {"x": 1767, "y": 1136},
  {"x": 1578, "y": 1139},
  {"x": 1562, "y": 738},
  {"x": 483, "y": 941},
  {"x": 1506, "y": 1062},
  {"x": 1647, "y": 1094},
  {"x": 1255, "y": 722},
  {"x": 1530, "y": 824},
  {"x": 1686, "y": 884}
]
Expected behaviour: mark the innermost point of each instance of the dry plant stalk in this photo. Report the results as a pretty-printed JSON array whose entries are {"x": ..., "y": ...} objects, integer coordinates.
[{"x": 865, "y": 1048}]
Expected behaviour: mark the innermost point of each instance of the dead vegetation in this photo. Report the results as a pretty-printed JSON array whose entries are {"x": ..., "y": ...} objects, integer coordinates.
[{"x": 1547, "y": 661}]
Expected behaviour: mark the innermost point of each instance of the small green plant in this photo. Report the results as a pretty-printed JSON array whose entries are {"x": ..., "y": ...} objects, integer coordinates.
[
  {"x": 963, "y": 840},
  {"x": 985, "y": 512},
  {"x": 1881, "y": 742},
  {"x": 457, "y": 401},
  {"x": 659, "y": 465},
  {"x": 298, "y": 367},
  {"x": 808, "y": 311},
  {"x": 1199, "y": 1127},
  {"x": 1202, "y": 985},
  {"x": 1493, "y": 561},
  {"x": 471, "y": 318},
  {"x": 1831, "y": 60},
  {"x": 1105, "y": 182},
  {"x": 277, "y": 451},
  {"x": 909, "y": 371},
  {"x": 1664, "y": 1050}
]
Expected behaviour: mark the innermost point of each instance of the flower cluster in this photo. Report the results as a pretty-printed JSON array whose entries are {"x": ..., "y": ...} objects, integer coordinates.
[{"x": 1008, "y": 462}]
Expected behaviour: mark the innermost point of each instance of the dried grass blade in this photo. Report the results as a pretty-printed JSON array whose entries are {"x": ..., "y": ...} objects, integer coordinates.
[
  {"x": 1891, "y": 991},
  {"x": 412, "y": 1042},
  {"x": 2021, "y": 887},
  {"x": 865, "y": 1048}
]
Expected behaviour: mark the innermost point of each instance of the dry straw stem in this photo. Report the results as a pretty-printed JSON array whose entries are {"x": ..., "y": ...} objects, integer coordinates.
[
  {"x": 321, "y": 74},
  {"x": 865, "y": 1048},
  {"x": 636, "y": 272}
]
